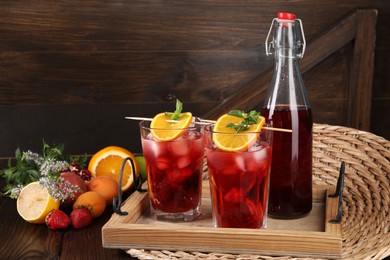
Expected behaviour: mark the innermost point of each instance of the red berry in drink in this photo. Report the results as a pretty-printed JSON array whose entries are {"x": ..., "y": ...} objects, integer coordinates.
[
  {"x": 234, "y": 196},
  {"x": 239, "y": 185},
  {"x": 174, "y": 172}
]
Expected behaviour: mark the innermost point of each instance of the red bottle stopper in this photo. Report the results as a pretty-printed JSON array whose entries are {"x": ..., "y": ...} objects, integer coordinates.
[{"x": 286, "y": 16}]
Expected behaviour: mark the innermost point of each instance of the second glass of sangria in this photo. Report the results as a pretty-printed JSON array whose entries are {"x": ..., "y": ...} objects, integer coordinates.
[{"x": 239, "y": 160}]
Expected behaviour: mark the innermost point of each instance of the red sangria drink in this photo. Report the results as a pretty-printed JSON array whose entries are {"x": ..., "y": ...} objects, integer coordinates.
[
  {"x": 174, "y": 169},
  {"x": 239, "y": 179},
  {"x": 291, "y": 175}
]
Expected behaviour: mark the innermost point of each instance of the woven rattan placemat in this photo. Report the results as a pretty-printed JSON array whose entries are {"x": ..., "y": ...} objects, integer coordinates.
[{"x": 366, "y": 200}]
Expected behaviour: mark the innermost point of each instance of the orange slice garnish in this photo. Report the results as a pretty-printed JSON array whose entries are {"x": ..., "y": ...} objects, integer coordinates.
[
  {"x": 163, "y": 129},
  {"x": 227, "y": 139}
]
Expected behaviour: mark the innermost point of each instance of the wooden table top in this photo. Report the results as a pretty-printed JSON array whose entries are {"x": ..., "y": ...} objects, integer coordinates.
[{"x": 22, "y": 240}]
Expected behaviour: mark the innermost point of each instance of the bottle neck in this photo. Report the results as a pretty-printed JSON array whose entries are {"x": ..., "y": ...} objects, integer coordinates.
[
  {"x": 287, "y": 86},
  {"x": 286, "y": 52},
  {"x": 287, "y": 39},
  {"x": 283, "y": 55},
  {"x": 287, "y": 61}
]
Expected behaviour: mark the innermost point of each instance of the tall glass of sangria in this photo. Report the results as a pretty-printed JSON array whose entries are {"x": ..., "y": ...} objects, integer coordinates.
[
  {"x": 174, "y": 155},
  {"x": 239, "y": 164}
]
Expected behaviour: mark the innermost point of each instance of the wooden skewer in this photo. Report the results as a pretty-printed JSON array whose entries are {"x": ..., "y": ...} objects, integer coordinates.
[
  {"x": 171, "y": 121},
  {"x": 207, "y": 122},
  {"x": 264, "y": 127}
]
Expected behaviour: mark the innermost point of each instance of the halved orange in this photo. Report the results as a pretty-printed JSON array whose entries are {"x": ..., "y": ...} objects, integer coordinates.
[
  {"x": 227, "y": 139},
  {"x": 108, "y": 162},
  {"x": 163, "y": 129}
]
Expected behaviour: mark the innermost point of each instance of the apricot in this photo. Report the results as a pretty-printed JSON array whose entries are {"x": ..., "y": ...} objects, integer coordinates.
[
  {"x": 92, "y": 201},
  {"x": 105, "y": 186}
]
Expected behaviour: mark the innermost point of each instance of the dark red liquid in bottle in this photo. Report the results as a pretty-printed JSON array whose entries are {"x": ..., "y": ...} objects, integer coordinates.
[{"x": 291, "y": 171}]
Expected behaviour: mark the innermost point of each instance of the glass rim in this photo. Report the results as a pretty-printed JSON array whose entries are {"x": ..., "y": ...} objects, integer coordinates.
[
  {"x": 194, "y": 127},
  {"x": 207, "y": 129}
]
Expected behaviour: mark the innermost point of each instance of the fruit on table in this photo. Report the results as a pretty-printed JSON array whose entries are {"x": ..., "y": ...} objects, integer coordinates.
[
  {"x": 57, "y": 219},
  {"x": 108, "y": 162},
  {"x": 34, "y": 203},
  {"x": 105, "y": 186},
  {"x": 74, "y": 180},
  {"x": 83, "y": 173},
  {"x": 142, "y": 167},
  {"x": 80, "y": 217},
  {"x": 92, "y": 201}
]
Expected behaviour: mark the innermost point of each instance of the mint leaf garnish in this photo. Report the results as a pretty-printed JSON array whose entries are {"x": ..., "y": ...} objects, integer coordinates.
[
  {"x": 237, "y": 113},
  {"x": 176, "y": 114},
  {"x": 250, "y": 118}
]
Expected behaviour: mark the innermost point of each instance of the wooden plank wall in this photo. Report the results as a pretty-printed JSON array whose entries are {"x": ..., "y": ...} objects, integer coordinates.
[{"x": 70, "y": 71}]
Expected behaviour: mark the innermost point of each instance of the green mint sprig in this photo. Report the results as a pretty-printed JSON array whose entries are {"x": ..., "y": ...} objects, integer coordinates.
[
  {"x": 250, "y": 118},
  {"x": 176, "y": 114},
  {"x": 29, "y": 166},
  {"x": 19, "y": 175}
]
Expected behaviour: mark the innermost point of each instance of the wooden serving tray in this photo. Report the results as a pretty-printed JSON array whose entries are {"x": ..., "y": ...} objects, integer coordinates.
[{"x": 311, "y": 236}]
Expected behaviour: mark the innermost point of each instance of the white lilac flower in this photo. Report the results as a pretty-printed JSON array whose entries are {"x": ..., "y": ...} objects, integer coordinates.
[
  {"x": 31, "y": 156},
  {"x": 53, "y": 166},
  {"x": 16, "y": 191},
  {"x": 59, "y": 188}
]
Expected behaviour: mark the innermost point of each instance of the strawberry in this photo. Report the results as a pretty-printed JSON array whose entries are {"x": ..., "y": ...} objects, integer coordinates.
[
  {"x": 80, "y": 217},
  {"x": 234, "y": 196},
  {"x": 57, "y": 219}
]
